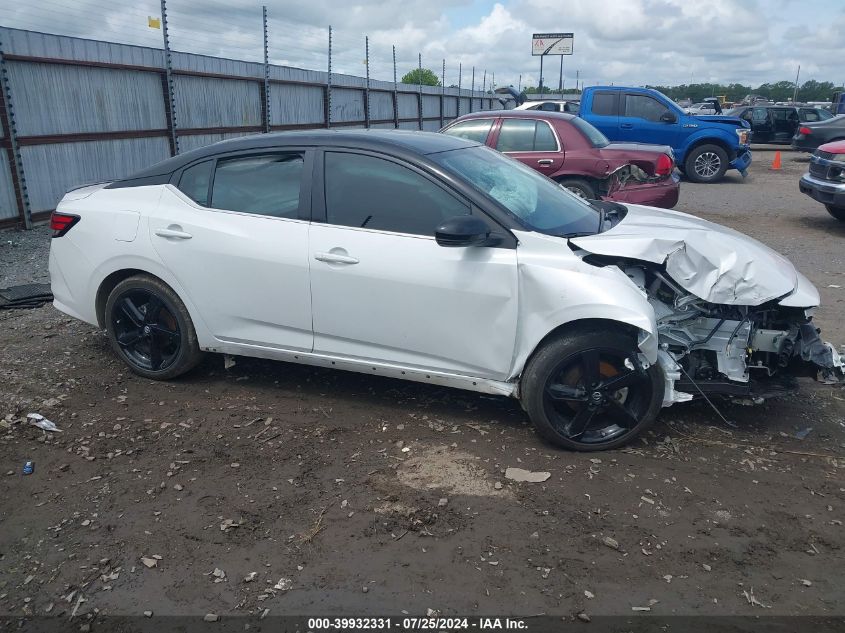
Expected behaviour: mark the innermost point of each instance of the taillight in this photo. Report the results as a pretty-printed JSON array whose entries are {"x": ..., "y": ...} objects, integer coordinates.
[
  {"x": 805, "y": 131},
  {"x": 664, "y": 165},
  {"x": 61, "y": 223}
]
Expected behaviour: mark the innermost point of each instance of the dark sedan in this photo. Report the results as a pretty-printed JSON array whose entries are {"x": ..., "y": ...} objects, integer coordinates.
[
  {"x": 810, "y": 135},
  {"x": 777, "y": 124},
  {"x": 575, "y": 154}
]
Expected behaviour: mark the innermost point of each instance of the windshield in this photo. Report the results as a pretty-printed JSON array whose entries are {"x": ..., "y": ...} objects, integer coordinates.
[
  {"x": 591, "y": 132},
  {"x": 537, "y": 202}
]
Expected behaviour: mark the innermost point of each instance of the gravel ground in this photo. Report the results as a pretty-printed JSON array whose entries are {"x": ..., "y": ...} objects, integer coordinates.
[{"x": 353, "y": 494}]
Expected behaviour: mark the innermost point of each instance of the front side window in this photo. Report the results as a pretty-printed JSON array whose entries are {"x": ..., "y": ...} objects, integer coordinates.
[
  {"x": 194, "y": 182},
  {"x": 537, "y": 202},
  {"x": 263, "y": 185},
  {"x": 374, "y": 193},
  {"x": 526, "y": 135},
  {"x": 474, "y": 130},
  {"x": 645, "y": 107},
  {"x": 824, "y": 115}
]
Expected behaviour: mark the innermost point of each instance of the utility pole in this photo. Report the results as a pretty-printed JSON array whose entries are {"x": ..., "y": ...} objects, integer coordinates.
[
  {"x": 460, "y": 73},
  {"x": 560, "y": 80},
  {"x": 795, "y": 92}
]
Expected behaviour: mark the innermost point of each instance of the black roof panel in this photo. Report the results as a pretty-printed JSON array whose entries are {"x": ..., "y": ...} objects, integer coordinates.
[{"x": 379, "y": 140}]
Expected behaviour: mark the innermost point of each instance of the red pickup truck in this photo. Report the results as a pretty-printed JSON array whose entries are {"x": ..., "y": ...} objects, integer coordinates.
[{"x": 572, "y": 152}]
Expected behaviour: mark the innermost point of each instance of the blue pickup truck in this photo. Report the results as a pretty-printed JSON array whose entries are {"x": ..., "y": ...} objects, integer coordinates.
[{"x": 705, "y": 146}]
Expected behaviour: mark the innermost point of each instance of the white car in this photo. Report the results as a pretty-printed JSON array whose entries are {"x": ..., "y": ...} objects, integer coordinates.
[
  {"x": 705, "y": 107},
  {"x": 572, "y": 107},
  {"x": 428, "y": 257}
]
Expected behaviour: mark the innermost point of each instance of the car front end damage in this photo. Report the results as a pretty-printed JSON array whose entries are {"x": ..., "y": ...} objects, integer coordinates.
[{"x": 733, "y": 317}]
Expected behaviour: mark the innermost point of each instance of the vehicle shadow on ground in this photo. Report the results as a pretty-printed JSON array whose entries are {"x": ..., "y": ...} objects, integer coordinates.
[
  {"x": 382, "y": 396},
  {"x": 821, "y": 222}
]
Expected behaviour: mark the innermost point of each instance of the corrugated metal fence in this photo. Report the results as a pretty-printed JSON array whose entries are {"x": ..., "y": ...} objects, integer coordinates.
[{"x": 86, "y": 111}]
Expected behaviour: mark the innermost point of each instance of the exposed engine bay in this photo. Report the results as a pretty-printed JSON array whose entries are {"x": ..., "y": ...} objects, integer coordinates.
[{"x": 732, "y": 350}]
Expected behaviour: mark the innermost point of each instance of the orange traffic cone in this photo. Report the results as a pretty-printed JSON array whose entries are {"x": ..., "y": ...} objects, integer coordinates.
[{"x": 776, "y": 162}]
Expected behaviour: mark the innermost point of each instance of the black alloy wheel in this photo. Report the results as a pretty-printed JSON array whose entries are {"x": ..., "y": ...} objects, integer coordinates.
[
  {"x": 147, "y": 332},
  {"x": 150, "y": 328},
  {"x": 588, "y": 390}
]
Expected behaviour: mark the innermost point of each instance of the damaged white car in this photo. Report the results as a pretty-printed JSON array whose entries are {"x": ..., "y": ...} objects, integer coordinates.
[{"x": 432, "y": 258}]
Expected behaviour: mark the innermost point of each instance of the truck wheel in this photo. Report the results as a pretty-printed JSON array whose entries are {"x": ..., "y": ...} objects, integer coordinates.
[
  {"x": 585, "y": 390},
  {"x": 836, "y": 212},
  {"x": 579, "y": 186},
  {"x": 706, "y": 164}
]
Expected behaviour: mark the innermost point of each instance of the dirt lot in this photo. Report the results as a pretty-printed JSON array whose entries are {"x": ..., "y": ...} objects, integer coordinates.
[{"x": 349, "y": 494}]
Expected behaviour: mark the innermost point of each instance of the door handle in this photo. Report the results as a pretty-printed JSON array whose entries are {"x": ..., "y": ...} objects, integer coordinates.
[
  {"x": 626, "y": 126},
  {"x": 174, "y": 232},
  {"x": 545, "y": 161},
  {"x": 335, "y": 258}
]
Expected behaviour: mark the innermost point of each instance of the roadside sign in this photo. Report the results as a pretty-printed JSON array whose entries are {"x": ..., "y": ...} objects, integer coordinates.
[{"x": 552, "y": 43}]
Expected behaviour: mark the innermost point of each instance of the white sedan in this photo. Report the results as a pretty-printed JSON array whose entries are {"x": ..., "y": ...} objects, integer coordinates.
[{"x": 432, "y": 258}]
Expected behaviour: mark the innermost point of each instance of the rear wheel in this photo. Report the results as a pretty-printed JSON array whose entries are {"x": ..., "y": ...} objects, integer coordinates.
[
  {"x": 150, "y": 329},
  {"x": 836, "y": 212},
  {"x": 706, "y": 164},
  {"x": 587, "y": 391},
  {"x": 580, "y": 187}
]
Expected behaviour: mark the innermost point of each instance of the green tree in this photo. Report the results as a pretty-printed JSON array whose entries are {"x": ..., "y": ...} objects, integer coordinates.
[{"x": 423, "y": 76}]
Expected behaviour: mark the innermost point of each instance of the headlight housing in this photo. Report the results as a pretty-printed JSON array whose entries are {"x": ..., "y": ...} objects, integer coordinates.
[{"x": 742, "y": 133}]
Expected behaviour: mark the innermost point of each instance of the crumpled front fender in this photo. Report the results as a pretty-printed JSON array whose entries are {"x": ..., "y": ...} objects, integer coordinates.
[{"x": 583, "y": 292}]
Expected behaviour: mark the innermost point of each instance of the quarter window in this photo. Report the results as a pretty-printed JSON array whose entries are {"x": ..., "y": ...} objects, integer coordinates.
[
  {"x": 264, "y": 185},
  {"x": 194, "y": 182},
  {"x": 369, "y": 192},
  {"x": 474, "y": 130},
  {"x": 526, "y": 135},
  {"x": 644, "y": 107}
]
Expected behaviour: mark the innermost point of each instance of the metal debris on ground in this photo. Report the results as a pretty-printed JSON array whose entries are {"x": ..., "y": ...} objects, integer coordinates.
[
  {"x": 518, "y": 474},
  {"x": 42, "y": 423}
]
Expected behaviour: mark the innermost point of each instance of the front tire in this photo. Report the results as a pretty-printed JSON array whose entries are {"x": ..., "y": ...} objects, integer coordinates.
[
  {"x": 585, "y": 390},
  {"x": 150, "y": 329},
  {"x": 706, "y": 164},
  {"x": 836, "y": 212}
]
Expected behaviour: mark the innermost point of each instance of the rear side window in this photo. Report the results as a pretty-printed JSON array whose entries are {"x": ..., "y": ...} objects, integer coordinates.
[
  {"x": 526, "y": 135},
  {"x": 808, "y": 114},
  {"x": 645, "y": 107},
  {"x": 194, "y": 182},
  {"x": 264, "y": 185},
  {"x": 474, "y": 130},
  {"x": 369, "y": 192},
  {"x": 606, "y": 103}
]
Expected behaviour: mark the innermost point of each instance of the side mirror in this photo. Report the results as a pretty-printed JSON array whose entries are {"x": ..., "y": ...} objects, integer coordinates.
[
  {"x": 668, "y": 117},
  {"x": 462, "y": 230}
]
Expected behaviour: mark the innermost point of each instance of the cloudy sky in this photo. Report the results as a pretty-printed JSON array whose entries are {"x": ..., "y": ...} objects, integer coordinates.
[{"x": 657, "y": 42}]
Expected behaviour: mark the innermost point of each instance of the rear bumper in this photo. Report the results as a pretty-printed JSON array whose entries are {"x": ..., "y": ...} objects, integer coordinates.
[
  {"x": 742, "y": 161},
  {"x": 803, "y": 143},
  {"x": 823, "y": 191},
  {"x": 662, "y": 194}
]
